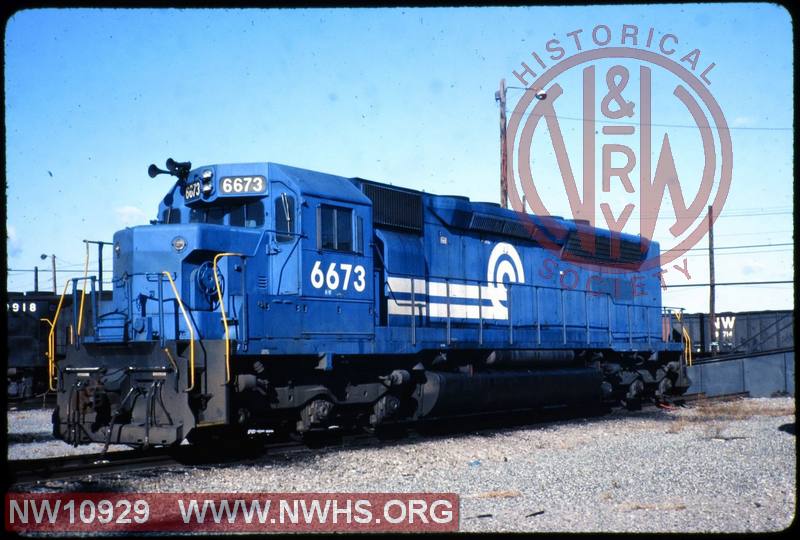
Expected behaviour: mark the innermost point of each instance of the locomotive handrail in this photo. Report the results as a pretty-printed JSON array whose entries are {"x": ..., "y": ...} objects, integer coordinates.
[
  {"x": 191, "y": 330},
  {"x": 563, "y": 324},
  {"x": 487, "y": 282},
  {"x": 51, "y": 341},
  {"x": 49, "y": 349},
  {"x": 687, "y": 347},
  {"x": 217, "y": 257},
  {"x": 74, "y": 333},
  {"x": 83, "y": 290}
]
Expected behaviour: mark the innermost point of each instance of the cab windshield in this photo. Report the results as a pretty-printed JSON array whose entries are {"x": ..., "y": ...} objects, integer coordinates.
[{"x": 244, "y": 215}]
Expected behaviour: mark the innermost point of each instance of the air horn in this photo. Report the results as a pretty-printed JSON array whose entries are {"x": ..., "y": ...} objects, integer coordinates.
[{"x": 175, "y": 168}]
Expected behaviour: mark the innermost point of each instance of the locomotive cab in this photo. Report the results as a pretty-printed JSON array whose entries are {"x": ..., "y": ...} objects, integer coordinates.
[{"x": 228, "y": 268}]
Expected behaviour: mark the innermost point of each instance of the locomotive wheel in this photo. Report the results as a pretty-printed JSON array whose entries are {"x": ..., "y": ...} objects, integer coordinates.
[{"x": 633, "y": 399}]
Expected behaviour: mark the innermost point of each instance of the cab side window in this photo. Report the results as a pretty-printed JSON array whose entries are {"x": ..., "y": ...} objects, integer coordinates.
[{"x": 335, "y": 228}]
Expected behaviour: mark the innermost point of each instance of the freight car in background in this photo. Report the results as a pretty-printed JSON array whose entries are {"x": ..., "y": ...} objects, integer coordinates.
[
  {"x": 28, "y": 314},
  {"x": 27, "y": 338},
  {"x": 745, "y": 332}
]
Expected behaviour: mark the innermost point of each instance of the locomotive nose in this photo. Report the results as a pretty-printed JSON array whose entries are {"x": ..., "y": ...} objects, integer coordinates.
[{"x": 135, "y": 398}]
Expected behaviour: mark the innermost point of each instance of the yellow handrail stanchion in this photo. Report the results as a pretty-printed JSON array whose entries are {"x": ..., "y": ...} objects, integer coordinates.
[
  {"x": 51, "y": 344},
  {"x": 224, "y": 318},
  {"x": 687, "y": 340},
  {"x": 48, "y": 353},
  {"x": 191, "y": 330},
  {"x": 83, "y": 291},
  {"x": 688, "y": 347}
]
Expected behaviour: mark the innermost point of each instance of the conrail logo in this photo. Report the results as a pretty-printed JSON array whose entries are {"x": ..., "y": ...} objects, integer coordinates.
[{"x": 645, "y": 127}]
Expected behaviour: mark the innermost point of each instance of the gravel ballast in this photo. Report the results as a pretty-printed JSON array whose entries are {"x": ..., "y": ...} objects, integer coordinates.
[{"x": 713, "y": 467}]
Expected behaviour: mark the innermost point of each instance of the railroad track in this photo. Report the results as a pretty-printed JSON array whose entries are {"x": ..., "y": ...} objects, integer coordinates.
[
  {"x": 701, "y": 397},
  {"x": 258, "y": 449},
  {"x": 85, "y": 465},
  {"x": 65, "y": 467},
  {"x": 35, "y": 402}
]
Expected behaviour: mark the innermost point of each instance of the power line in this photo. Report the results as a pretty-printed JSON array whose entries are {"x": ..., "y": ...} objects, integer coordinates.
[
  {"x": 754, "y": 233},
  {"x": 636, "y": 124},
  {"x": 743, "y": 247},
  {"x": 741, "y": 253},
  {"x": 730, "y": 283},
  {"x": 59, "y": 270},
  {"x": 728, "y": 215}
]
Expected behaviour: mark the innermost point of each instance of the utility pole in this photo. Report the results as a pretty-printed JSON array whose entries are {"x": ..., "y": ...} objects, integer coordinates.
[
  {"x": 712, "y": 316},
  {"x": 35, "y": 279},
  {"x": 501, "y": 97},
  {"x": 55, "y": 285}
]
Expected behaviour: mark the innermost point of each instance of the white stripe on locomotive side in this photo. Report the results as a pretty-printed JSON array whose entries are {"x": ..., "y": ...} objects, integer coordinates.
[
  {"x": 439, "y": 289},
  {"x": 457, "y": 311},
  {"x": 403, "y": 285}
]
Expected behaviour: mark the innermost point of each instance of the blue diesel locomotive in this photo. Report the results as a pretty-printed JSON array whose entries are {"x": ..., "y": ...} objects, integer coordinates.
[{"x": 271, "y": 297}]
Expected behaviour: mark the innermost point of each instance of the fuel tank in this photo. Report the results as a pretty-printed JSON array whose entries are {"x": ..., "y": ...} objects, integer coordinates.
[{"x": 454, "y": 394}]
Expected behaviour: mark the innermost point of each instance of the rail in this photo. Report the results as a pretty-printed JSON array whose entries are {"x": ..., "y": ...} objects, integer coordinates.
[
  {"x": 188, "y": 325},
  {"x": 51, "y": 342},
  {"x": 217, "y": 257}
]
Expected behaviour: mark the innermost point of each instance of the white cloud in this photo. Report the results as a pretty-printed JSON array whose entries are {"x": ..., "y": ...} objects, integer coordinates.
[{"x": 128, "y": 216}]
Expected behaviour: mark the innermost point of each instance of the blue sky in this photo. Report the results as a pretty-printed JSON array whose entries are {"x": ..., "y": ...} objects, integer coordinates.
[{"x": 398, "y": 95}]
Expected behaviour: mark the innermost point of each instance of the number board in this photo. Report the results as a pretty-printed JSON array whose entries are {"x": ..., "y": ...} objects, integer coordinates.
[
  {"x": 242, "y": 185},
  {"x": 21, "y": 307},
  {"x": 192, "y": 191}
]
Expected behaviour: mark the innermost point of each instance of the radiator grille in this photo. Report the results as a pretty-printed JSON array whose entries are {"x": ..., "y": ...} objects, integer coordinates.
[
  {"x": 631, "y": 252},
  {"x": 395, "y": 208},
  {"x": 493, "y": 224}
]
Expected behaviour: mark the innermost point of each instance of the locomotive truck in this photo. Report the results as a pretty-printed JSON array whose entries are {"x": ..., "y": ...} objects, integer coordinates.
[{"x": 271, "y": 297}]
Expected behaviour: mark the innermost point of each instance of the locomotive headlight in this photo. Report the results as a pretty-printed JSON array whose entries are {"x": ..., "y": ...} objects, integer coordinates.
[
  {"x": 208, "y": 176},
  {"x": 117, "y": 249},
  {"x": 178, "y": 243}
]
